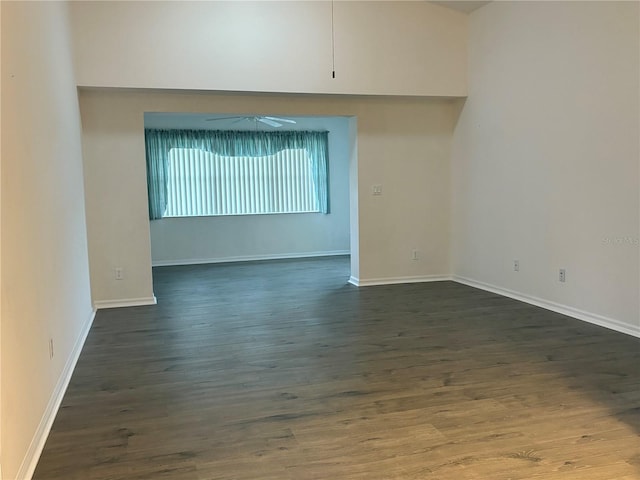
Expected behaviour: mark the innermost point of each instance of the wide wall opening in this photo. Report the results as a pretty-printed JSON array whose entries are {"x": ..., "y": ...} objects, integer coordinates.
[{"x": 226, "y": 188}]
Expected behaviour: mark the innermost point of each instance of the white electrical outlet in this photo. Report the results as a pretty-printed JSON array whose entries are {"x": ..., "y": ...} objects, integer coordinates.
[
  {"x": 377, "y": 189},
  {"x": 516, "y": 265},
  {"x": 118, "y": 273},
  {"x": 563, "y": 275}
]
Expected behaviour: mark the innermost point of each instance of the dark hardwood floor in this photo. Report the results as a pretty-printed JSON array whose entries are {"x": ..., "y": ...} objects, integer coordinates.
[{"x": 280, "y": 370}]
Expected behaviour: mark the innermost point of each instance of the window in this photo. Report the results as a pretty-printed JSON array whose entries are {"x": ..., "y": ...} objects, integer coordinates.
[
  {"x": 202, "y": 183},
  {"x": 211, "y": 172}
]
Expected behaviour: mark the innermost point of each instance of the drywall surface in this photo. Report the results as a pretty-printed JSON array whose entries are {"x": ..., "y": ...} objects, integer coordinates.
[
  {"x": 545, "y": 156},
  {"x": 1, "y": 78},
  {"x": 187, "y": 240},
  {"x": 403, "y": 144},
  {"x": 381, "y": 48},
  {"x": 116, "y": 203},
  {"x": 45, "y": 276},
  {"x": 354, "y": 219}
]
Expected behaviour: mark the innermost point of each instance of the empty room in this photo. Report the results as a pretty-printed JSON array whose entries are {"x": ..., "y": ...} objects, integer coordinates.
[{"x": 417, "y": 256}]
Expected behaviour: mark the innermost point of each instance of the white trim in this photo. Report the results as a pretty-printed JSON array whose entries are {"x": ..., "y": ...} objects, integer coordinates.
[
  {"x": 28, "y": 466},
  {"x": 247, "y": 258},
  {"x": 396, "y": 280},
  {"x": 596, "y": 319},
  {"x": 128, "y": 302}
]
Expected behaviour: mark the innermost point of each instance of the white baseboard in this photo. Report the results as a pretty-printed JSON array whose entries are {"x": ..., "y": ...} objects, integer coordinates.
[
  {"x": 396, "y": 280},
  {"x": 247, "y": 258},
  {"x": 28, "y": 466},
  {"x": 128, "y": 302},
  {"x": 596, "y": 319}
]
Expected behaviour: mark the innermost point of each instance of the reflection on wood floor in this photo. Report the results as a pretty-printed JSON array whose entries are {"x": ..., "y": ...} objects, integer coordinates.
[{"x": 280, "y": 370}]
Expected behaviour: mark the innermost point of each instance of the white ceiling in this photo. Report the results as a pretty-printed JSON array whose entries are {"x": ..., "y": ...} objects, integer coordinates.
[
  {"x": 462, "y": 5},
  {"x": 199, "y": 121}
]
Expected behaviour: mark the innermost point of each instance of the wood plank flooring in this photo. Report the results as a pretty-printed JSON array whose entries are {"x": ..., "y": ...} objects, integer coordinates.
[{"x": 281, "y": 370}]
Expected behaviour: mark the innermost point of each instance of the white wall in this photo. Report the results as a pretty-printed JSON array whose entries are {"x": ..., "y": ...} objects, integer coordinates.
[
  {"x": 381, "y": 48},
  {"x": 1, "y": 78},
  {"x": 354, "y": 192},
  {"x": 44, "y": 277},
  {"x": 545, "y": 157},
  {"x": 116, "y": 202},
  {"x": 186, "y": 240},
  {"x": 404, "y": 147},
  {"x": 402, "y": 143}
]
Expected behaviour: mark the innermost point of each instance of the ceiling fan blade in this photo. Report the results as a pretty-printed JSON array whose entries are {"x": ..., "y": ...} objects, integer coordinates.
[
  {"x": 223, "y": 118},
  {"x": 268, "y": 121},
  {"x": 278, "y": 119}
]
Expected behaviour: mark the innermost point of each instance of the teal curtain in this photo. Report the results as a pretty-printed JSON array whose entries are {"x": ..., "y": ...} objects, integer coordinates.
[{"x": 232, "y": 144}]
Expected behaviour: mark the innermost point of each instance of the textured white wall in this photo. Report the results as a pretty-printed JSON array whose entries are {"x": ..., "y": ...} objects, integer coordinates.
[
  {"x": 116, "y": 202},
  {"x": 545, "y": 157},
  {"x": 229, "y": 238},
  {"x": 0, "y": 253},
  {"x": 45, "y": 276},
  {"x": 381, "y": 48},
  {"x": 402, "y": 144}
]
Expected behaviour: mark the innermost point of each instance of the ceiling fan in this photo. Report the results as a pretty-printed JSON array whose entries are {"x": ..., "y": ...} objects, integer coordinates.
[{"x": 271, "y": 121}]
